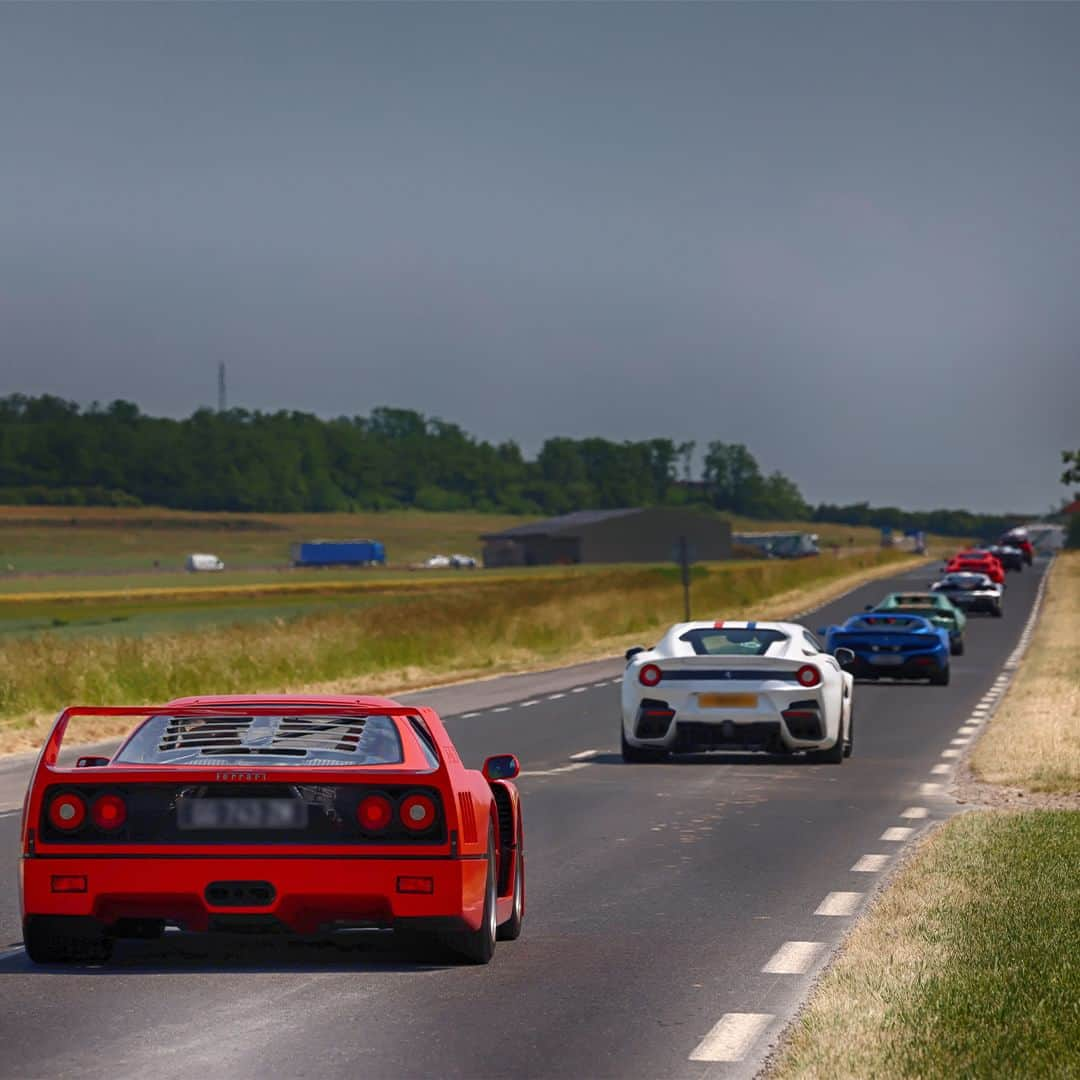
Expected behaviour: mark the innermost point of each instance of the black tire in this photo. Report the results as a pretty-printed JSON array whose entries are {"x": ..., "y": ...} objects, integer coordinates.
[
  {"x": 511, "y": 929},
  {"x": 940, "y": 679},
  {"x": 956, "y": 646},
  {"x": 478, "y": 946},
  {"x": 997, "y": 612},
  {"x": 65, "y": 939},
  {"x": 640, "y": 755},
  {"x": 849, "y": 742}
]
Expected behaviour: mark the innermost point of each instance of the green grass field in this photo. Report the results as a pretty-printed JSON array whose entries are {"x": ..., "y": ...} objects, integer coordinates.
[{"x": 967, "y": 966}]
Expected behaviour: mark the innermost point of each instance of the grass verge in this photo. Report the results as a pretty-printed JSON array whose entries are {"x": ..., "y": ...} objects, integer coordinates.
[
  {"x": 1033, "y": 741},
  {"x": 967, "y": 965},
  {"x": 404, "y": 641}
]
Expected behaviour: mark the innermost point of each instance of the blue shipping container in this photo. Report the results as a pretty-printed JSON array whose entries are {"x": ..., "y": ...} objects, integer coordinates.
[{"x": 339, "y": 553}]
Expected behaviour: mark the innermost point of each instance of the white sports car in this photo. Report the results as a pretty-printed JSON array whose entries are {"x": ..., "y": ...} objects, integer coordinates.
[{"x": 736, "y": 686}]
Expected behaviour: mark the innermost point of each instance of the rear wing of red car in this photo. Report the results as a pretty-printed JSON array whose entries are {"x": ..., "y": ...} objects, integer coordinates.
[{"x": 416, "y": 767}]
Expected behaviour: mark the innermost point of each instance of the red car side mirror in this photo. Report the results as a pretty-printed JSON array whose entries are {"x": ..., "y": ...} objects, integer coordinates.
[{"x": 501, "y": 767}]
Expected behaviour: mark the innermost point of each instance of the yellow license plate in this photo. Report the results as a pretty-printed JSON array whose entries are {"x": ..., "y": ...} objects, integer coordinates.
[{"x": 727, "y": 701}]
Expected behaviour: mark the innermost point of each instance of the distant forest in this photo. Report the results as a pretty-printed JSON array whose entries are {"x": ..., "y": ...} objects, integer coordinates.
[{"x": 55, "y": 452}]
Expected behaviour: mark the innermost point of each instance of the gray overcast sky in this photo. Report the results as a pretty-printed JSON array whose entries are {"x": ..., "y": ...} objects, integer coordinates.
[{"x": 846, "y": 235}]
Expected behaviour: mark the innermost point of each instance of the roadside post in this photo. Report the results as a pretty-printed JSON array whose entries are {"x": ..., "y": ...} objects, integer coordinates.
[{"x": 684, "y": 556}]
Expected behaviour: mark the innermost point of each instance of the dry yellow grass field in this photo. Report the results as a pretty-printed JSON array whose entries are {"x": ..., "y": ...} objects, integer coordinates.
[
  {"x": 410, "y": 641},
  {"x": 1033, "y": 741}
]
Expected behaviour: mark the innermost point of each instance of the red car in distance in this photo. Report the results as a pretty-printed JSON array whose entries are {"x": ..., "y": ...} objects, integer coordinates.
[
  {"x": 977, "y": 562},
  {"x": 307, "y": 815}
]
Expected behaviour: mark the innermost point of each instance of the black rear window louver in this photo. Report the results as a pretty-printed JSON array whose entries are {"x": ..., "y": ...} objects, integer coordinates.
[{"x": 294, "y": 737}]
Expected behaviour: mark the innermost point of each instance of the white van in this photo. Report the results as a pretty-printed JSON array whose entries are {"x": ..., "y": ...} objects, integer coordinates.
[{"x": 204, "y": 562}]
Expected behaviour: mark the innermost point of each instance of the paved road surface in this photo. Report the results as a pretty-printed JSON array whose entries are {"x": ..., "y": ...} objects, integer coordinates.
[{"x": 657, "y": 896}]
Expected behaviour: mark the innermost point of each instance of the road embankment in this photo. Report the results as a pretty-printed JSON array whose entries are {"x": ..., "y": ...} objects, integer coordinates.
[
  {"x": 968, "y": 963},
  {"x": 407, "y": 642}
]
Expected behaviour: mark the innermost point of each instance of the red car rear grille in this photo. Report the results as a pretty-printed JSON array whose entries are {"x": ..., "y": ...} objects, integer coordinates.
[{"x": 468, "y": 817}]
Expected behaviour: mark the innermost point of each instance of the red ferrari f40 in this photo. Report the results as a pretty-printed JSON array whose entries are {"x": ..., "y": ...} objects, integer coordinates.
[{"x": 276, "y": 814}]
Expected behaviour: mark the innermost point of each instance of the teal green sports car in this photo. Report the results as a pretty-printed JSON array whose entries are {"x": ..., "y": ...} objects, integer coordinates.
[{"x": 940, "y": 610}]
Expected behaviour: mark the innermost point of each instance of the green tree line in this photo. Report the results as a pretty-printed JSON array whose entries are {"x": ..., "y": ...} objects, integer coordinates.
[{"x": 54, "y": 451}]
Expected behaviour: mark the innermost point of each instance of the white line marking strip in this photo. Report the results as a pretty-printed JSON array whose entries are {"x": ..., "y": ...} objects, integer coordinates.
[
  {"x": 793, "y": 958},
  {"x": 555, "y": 697},
  {"x": 579, "y": 690},
  {"x": 915, "y": 812},
  {"x": 950, "y": 753},
  {"x": 897, "y": 834},
  {"x": 554, "y": 772},
  {"x": 502, "y": 708},
  {"x": 930, "y": 789},
  {"x": 528, "y": 704},
  {"x": 871, "y": 864},
  {"x": 583, "y": 755},
  {"x": 839, "y": 903},
  {"x": 468, "y": 715},
  {"x": 731, "y": 1037},
  {"x": 940, "y": 770}
]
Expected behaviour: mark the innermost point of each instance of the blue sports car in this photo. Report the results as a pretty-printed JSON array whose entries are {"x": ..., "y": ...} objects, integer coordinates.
[{"x": 893, "y": 646}]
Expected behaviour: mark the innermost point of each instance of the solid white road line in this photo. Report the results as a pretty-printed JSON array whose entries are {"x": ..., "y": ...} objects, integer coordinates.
[
  {"x": 871, "y": 864},
  {"x": 793, "y": 958},
  {"x": 930, "y": 789},
  {"x": 915, "y": 812},
  {"x": 898, "y": 833},
  {"x": 941, "y": 770},
  {"x": 732, "y": 1036},
  {"x": 839, "y": 903},
  {"x": 583, "y": 755}
]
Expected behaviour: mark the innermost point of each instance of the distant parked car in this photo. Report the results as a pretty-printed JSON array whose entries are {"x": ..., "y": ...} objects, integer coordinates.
[
  {"x": 463, "y": 562},
  {"x": 437, "y": 562},
  {"x": 198, "y": 562}
]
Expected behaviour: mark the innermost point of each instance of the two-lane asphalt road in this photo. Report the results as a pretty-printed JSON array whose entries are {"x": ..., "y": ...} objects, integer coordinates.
[{"x": 676, "y": 911}]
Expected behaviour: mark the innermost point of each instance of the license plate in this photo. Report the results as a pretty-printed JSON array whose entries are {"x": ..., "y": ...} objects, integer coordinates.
[
  {"x": 241, "y": 813},
  {"x": 727, "y": 701},
  {"x": 886, "y": 661}
]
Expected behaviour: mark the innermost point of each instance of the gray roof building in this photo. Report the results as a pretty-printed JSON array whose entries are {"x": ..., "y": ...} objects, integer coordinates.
[{"x": 643, "y": 534}]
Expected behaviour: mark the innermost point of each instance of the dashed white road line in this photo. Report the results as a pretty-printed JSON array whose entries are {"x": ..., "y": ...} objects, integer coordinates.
[
  {"x": 732, "y": 1036},
  {"x": 871, "y": 864},
  {"x": 930, "y": 789},
  {"x": 941, "y": 770},
  {"x": 556, "y": 771},
  {"x": 502, "y": 708},
  {"x": 579, "y": 690},
  {"x": 468, "y": 715},
  {"x": 528, "y": 704},
  {"x": 584, "y": 755},
  {"x": 897, "y": 834},
  {"x": 839, "y": 903},
  {"x": 793, "y": 958},
  {"x": 555, "y": 697},
  {"x": 915, "y": 812},
  {"x": 960, "y": 742},
  {"x": 950, "y": 753}
]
